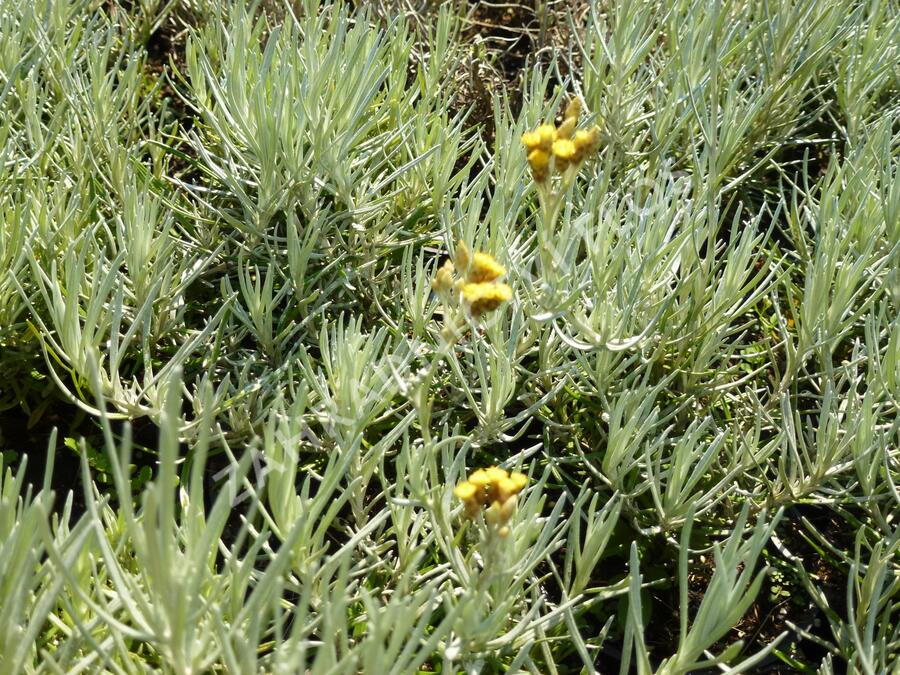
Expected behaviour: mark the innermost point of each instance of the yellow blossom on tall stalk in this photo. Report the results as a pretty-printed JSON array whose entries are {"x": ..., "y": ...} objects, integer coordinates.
[
  {"x": 468, "y": 286},
  {"x": 468, "y": 492},
  {"x": 541, "y": 138},
  {"x": 557, "y": 152}
]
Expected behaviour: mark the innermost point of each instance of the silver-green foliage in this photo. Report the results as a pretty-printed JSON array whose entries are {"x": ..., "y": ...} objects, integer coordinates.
[{"x": 241, "y": 251}]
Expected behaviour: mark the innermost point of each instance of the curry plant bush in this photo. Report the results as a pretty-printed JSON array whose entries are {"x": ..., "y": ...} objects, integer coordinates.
[{"x": 324, "y": 352}]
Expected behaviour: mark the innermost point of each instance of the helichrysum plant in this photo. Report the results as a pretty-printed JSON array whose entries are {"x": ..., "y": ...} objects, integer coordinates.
[
  {"x": 555, "y": 154},
  {"x": 246, "y": 389}
]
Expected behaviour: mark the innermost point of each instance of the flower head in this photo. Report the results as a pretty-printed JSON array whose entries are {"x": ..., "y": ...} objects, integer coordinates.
[
  {"x": 547, "y": 134},
  {"x": 540, "y": 139},
  {"x": 495, "y": 489},
  {"x": 485, "y": 297},
  {"x": 443, "y": 279},
  {"x": 468, "y": 493},
  {"x": 564, "y": 149},
  {"x": 465, "y": 490},
  {"x": 573, "y": 109},
  {"x": 511, "y": 485},
  {"x": 495, "y": 474},
  {"x": 565, "y": 152},
  {"x": 484, "y": 268},
  {"x": 586, "y": 141},
  {"x": 531, "y": 140},
  {"x": 480, "y": 479},
  {"x": 539, "y": 161}
]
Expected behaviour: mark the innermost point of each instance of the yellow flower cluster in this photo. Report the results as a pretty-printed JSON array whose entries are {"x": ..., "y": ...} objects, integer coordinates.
[
  {"x": 563, "y": 146},
  {"x": 478, "y": 280},
  {"x": 494, "y": 488}
]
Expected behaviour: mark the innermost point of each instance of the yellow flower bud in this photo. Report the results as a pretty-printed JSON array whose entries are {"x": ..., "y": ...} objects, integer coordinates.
[
  {"x": 586, "y": 142},
  {"x": 520, "y": 479},
  {"x": 469, "y": 494},
  {"x": 480, "y": 480},
  {"x": 566, "y": 128},
  {"x": 508, "y": 508},
  {"x": 506, "y": 488},
  {"x": 511, "y": 486},
  {"x": 443, "y": 279},
  {"x": 461, "y": 256},
  {"x": 573, "y": 110},
  {"x": 495, "y": 474},
  {"x": 564, "y": 149}
]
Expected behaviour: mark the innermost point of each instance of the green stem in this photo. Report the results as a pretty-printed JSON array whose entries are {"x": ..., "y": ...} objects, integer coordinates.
[{"x": 422, "y": 399}]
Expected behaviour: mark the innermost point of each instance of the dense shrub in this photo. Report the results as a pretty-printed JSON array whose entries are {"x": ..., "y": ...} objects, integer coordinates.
[{"x": 364, "y": 339}]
